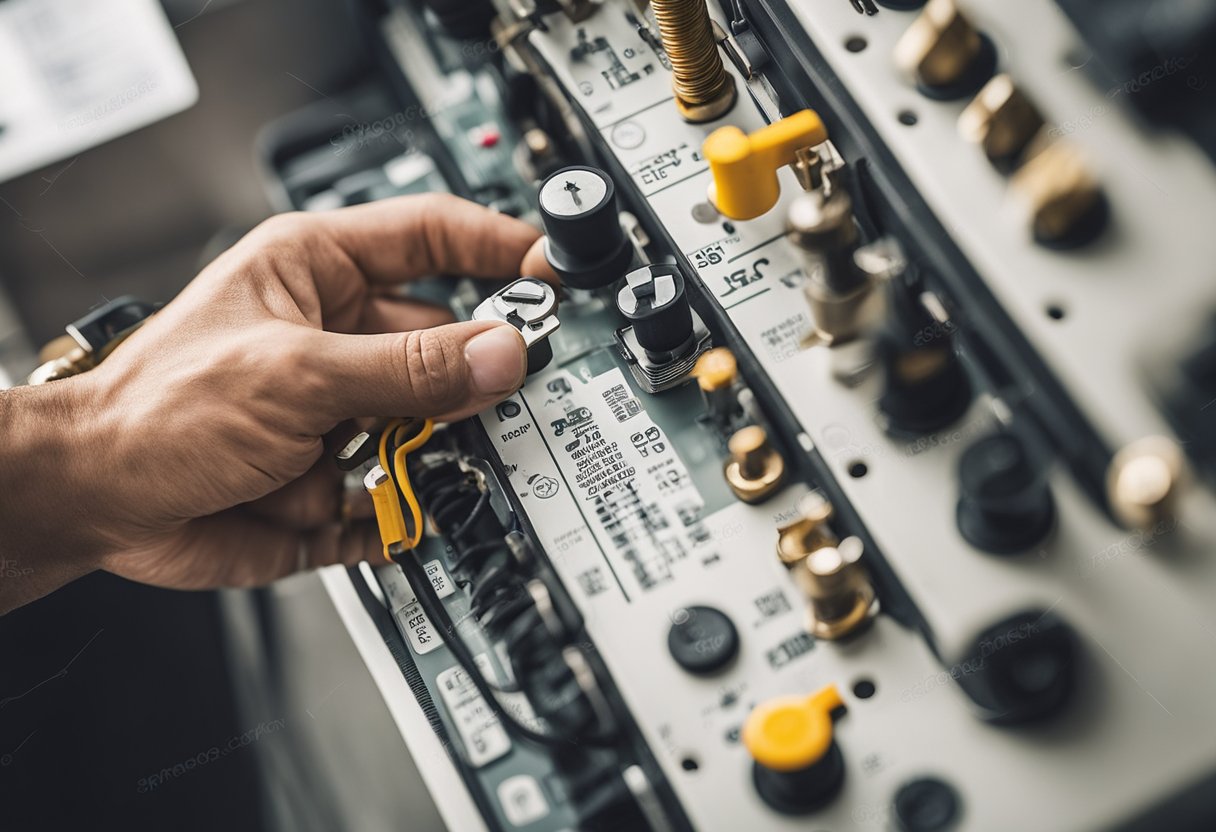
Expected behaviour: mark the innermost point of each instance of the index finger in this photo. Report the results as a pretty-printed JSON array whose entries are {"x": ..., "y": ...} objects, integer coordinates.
[{"x": 395, "y": 240}]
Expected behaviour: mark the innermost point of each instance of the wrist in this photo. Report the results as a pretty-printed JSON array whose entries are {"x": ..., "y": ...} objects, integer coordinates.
[{"x": 48, "y": 524}]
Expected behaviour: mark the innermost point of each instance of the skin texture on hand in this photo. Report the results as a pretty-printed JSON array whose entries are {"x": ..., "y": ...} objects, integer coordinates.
[{"x": 194, "y": 456}]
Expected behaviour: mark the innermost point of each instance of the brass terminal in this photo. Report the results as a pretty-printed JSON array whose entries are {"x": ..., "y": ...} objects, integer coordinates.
[
  {"x": 840, "y": 294},
  {"x": 1062, "y": 196},
  {"x": 1001, "y": 120},
  {"x": 716, "y": 371},
  {"x": 755, "y": 470},
  {"x": 1144, "y": 482},
  {"x": 808, "y": 532},
  {"x": 61, "y": 347},
  {"x": 704, "y": 90},
  {"x": 944, "y": 53},
  {"x": 839, "y": 590}
]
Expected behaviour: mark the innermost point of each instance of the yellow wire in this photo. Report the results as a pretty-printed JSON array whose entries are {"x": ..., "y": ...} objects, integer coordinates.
[
  {"x": 398, "y": 472},
  {"x": 403, "y": 480}
]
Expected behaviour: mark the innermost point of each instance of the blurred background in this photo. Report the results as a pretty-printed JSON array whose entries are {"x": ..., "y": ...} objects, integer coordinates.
[{"x": 108, "y": 685}]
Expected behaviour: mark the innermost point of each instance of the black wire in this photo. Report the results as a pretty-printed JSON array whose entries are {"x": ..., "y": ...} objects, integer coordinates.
[
  {"x": 498, "y": 599},
  {"x": 482, "y": 504},
  {"x": 462, "y": 559},
  {"x": 433, "y": 607}
]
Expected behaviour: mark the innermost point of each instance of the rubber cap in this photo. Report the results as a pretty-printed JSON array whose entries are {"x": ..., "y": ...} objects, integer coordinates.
[
  {"x": 745, "y": 166},
  {"x": 702, "y": 640},
  {"x": 792, "y": 732}
]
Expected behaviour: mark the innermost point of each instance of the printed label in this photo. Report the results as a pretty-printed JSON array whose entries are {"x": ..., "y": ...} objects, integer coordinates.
[
  {"x": 405, "y": 608},
  {"x": 482, "y": 735},
  {"x": 417, "y": 628},
  {"x": 439, "y": 578},
  {"x": 635, "y": 493}
]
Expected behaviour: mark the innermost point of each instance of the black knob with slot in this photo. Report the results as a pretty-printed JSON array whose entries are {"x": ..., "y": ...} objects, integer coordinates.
[{"x": 653, "y": 299}]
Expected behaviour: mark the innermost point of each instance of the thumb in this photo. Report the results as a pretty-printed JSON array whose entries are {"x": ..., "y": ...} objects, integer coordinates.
[{"x": 444, "y": 372}]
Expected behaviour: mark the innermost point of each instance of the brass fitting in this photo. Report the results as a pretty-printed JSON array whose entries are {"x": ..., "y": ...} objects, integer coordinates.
[
  {"x": 1059, "y": 191},
  {"x": 72, "y": 361},
  {"x": 798, "y": 538},
  {"x": 839, "y": 590},
  {"x": 828, "y": 571},
  {"x": 716, "y": 372},
  {"x": 1144, "y": 482},
  {"x": 755, "y": 470},
  {"x": 1002, "y": 120},
  {"x": 939, "y": 45},
  {"x": 840, "y": 293},
  {"x": 704, "y": 90}
]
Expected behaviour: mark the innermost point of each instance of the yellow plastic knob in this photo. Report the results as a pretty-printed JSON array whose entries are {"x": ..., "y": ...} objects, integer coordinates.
[
  {"x": 745, "y": 167},
  {"x": 792, "y": 732}
]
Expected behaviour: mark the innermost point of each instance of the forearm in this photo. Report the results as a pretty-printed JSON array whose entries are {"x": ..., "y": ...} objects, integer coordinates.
[{"x": 47, "y": 533}]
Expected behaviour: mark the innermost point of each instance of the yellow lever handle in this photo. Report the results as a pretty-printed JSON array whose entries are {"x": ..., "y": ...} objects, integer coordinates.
[
  {"x": 745, "y": 167},
  {"x": 789, "y": 733}
]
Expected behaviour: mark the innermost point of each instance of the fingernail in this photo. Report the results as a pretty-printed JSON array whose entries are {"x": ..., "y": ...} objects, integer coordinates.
[{"x": 496, "y": 361}]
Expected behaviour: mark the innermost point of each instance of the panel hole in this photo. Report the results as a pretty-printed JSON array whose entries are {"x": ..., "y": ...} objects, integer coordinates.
[
  {"x": 907, "y": 118},
  {"x": 858, "y": 469},
  {"x": 864, "y": 689},
  {"x": 1055, "y": 311},
  {"x": 856, "y": 43},
  {"x": 1077, "y": 57},
  {"x": 689, "y": 764}
]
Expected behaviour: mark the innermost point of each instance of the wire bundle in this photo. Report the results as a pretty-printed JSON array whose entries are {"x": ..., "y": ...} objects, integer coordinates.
[
  {"x": 482, "y": 562},
  {"x": 512, "y": 608},
  {"x": 500, "y": 599},
  {"x": 395, "y": 443}
]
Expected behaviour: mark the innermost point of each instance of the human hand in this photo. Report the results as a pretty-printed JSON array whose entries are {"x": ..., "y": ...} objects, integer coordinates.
[{"x": 192, "y": 456}]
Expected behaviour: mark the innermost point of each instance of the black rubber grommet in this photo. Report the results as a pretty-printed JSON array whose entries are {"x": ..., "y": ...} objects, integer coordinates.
[
  {"x": 1016, "y": 535},
  {"x": 1022, "y": 669},
  {"x": 932, "y": 406},
  {"x": 800, "y": 792},
  {"x": 982, "y": 68},
  {"x": 1084, "y": 231},
  {"x": 927, "y": 805},
  {"x": 703, "y": 641}
]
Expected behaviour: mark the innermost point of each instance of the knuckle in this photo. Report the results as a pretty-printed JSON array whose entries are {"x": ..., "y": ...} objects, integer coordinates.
[
  {"x": 285, "y": 226},
  {"x": 432, "y": 367},
  {"x": 273, "y": 248},
  {"x": 441, "y": 202},
  {"x": 298, "y": 367}
]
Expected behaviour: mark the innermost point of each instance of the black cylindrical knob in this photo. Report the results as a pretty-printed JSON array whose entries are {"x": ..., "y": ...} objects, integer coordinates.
[
  {"x": 803, "y": 790},
  {"x": 925, "y": 385},
  {"x": 653, "y": 300},
  {"x": 1021, "y": 669},
  {"x": 585, "y": 243},
  {"x": 1005, "y": 503},
  {"x": 467, "y": 19}
]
